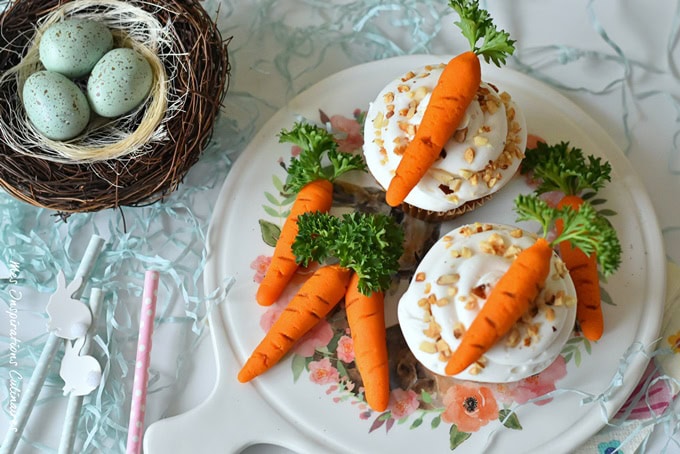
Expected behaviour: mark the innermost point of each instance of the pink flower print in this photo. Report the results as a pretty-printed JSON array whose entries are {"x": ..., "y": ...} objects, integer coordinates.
[
  {"x": 538, "y": 385},
  {"x": 270, "y": 316},
  {"x": 353, "y": 139},
  {"x": 260, "y": 265},
  {"x": 650, "y": 397},
  {"x": 533, "y": 140},
  {"x": 318, "y": 337},
  {"x": 346, "y": 349},
  {"x": 403, "y": 403},
  {"x": 295, "y": 151},
  {"x": 322, "y": 372}
]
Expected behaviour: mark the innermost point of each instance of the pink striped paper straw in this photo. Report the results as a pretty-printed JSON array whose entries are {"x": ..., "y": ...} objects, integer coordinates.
[{"x": 141, "y": 378}]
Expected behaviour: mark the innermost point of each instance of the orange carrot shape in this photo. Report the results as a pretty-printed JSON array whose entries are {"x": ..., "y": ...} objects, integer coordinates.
[
  {"x": 367, "y": 250},
  {"x": 455, "y": 90},
  {"x": 564, "y": 168},
  {"x": 313, "y": 184},
  {"x": 369, "y": 245},
  {"x": 512, "y": 295}
]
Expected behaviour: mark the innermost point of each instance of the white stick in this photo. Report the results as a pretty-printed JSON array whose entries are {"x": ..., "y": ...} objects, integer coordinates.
[
  {"x": 75, "y": 403},
  {"x": 30, "y": 396}
]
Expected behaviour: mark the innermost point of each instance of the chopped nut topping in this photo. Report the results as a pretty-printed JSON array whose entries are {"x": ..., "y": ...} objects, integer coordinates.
[
  {"x": 550, "y": 314},
  {"x": 458, "y": 330},
  {"x": 420, "y": 93},
  {"x": 452, "y": 290},
  {"x": 428, "y": 287},
  {"x": 480, "y": 141},
  {"x": 516, "y": 233},
  {"x": 408, "y": 76},
  {"x": 443, "y": 347},
  {"x": 422, "y": 302},
  {"x": 533, "y": 329},
  {"x": 428, "y": 347},
  {"x": 492, "y": 106},
  {"x": 466, "y": 253},
  {"x": 527, "y": 341},
  {"x": 460, "y": 135},
  {"x": 446, "y": 279},
  {"x": 403, "y": 88},
  {"x": 466, "y": 231},
  {"x": 433, "y": 330},
  {"x": 420, "y": 277},
  {"x": 512, "y": 251},
  {"x": 465, "y": 173},
  {"x": 378, "y": 120},
  {"x": 474, "y": 369},
  {"x": 469, "y": 155},
  {"x": 513, "y": 337},
  {"x": 471, "y": 303},
  {"x": 442, "y": 302},
  {"x": 388, "y": 97}
]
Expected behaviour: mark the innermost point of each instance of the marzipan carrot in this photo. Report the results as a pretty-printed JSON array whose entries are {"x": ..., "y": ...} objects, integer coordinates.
[
  {"x": 450, "y": 98},
  {"x": 314, "y": 196},
  {"x": 311, "y": 180},
  {"x": 509, "y": 299},
  {"x": 455, "y": 90},
  {"x": 583, "y": 271},
  {"x": 315, "y": 299},
  {"x": 526, "y": 275},
  {"x": 370, "y": 245},
  {"x": 563, "y": 168},
  {"x": 366, "y": 318}
]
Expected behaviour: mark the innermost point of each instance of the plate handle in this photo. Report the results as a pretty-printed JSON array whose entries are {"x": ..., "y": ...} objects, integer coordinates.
[{"x": 232, "y": 418}]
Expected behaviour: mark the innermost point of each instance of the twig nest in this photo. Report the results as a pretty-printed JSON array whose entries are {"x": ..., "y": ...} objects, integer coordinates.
[{"x": 131, "y": 155}]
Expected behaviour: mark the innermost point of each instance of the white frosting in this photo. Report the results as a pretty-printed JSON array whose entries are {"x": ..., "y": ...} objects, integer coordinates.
[
  {"x": 467, "y": 256},
  {"x": 493, "y": 128}
]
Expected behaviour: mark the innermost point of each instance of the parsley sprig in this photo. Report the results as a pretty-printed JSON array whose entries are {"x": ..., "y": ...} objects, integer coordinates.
[
  {"x": 584, "y": 228},
  {"x": 476, "y": 24},
  {"x": 316, "y": 143},
  {"x": 563, "y": 168},
  {"x": 368, "y": 244}
]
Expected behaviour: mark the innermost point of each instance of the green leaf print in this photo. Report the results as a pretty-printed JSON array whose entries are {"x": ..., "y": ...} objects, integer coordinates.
[
  {"x": 299, "y": 364},
  {"x": 436, "y": 421},
  {"x": 270, "y": 232},
  {"x": 417, "y": 422},
  {"x": 509, "y": 419},
  {"x": 456, "y": 437}
]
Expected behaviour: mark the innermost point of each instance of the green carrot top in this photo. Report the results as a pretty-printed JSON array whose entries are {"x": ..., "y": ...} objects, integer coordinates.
[
  {"x": 564, "y": 168},
  {"x": 368, "y": 244},
  {"x": 476, "y": 24},
  {"x": 584, "y": 228},
  {"x": 316, "y": 143}
]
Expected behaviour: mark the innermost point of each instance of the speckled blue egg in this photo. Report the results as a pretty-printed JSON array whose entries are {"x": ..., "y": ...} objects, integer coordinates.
[
  {"x": 55, "y": 105},
  {"x": 119, "y": 82},
  {"x": 72, "y": 47}
]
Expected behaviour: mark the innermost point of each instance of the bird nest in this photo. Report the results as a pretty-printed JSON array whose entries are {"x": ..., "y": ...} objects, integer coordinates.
[{"x": 129, "y": 161}]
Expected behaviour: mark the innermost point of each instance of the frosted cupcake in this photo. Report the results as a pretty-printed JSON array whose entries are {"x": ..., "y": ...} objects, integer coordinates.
[
  {"x": 450, "y": 287},
  {"x": 439, "y": 139},
  {"x": 478, "y": 160}
]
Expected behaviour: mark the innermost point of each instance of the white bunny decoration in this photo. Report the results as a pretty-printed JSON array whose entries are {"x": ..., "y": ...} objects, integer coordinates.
[
  {"x": 81, "y": 374},
  {"x": 69, "y": 318}
]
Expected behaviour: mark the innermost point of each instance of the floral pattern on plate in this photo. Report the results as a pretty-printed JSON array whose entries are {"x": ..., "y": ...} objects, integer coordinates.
[{"x": 325, "y": 355}]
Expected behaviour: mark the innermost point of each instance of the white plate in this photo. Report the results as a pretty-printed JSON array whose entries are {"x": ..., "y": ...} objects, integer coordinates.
[{"x": 304, "y": 416}]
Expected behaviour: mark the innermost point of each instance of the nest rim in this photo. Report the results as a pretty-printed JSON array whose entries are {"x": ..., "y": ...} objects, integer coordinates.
[{"x": 135, "y": 181}]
